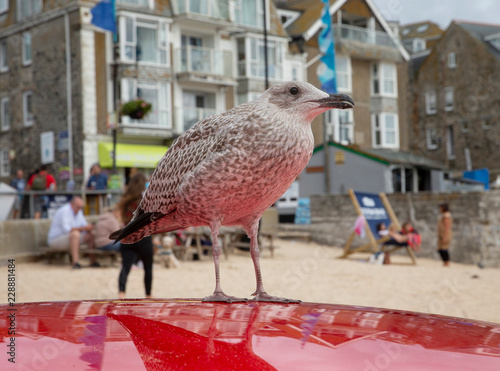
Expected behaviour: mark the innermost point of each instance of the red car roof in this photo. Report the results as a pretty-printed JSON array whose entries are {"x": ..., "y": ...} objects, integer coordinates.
[{"x": 182, "y": 334}]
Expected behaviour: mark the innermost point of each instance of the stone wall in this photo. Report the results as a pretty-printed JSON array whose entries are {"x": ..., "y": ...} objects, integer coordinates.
[{"x": 476, "y": 222}]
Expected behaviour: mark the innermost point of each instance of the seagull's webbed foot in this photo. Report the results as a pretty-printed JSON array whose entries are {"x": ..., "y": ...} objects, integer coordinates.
[
  {"x": 264, "y": 296},
  {"x": 219, "y": 296}
]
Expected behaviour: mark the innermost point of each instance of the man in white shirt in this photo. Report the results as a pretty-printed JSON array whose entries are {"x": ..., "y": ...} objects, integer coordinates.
[{"x": 69, "y": 229}]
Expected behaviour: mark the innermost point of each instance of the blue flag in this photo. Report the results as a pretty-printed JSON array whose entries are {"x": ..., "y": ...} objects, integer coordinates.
[
  {"x": 103, "y": 15},
  {"x": 326, "y": 69}
]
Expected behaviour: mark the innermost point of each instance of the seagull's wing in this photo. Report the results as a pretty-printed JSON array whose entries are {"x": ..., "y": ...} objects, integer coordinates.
[{"x": 161, "y": 197}]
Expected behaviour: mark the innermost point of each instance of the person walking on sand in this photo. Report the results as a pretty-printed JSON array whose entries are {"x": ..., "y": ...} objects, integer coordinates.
[
  {"x": 142, "y": 249},
  {"x": 445, "y": 223}
]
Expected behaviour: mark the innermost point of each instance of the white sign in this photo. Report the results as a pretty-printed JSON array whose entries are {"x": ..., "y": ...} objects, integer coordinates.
[{"x": 47, "y": 147}]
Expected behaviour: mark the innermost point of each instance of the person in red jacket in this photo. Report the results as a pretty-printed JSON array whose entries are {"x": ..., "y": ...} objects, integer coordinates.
[{"x": 41, "y": 181}]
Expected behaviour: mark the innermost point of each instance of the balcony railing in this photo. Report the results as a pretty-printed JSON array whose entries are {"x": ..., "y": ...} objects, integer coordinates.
[
  {"x": 188, "y": 116},
  {"x": 155, "y": 120},
  {"x": 363, "y": 35},
  {"x": 210, "y": 8},
  {"x": 257, "y": 69},
  {"x": 204, "y": 61}
]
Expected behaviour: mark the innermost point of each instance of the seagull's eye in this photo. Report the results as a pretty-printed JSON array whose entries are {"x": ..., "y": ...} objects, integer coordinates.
[{"x": 294, "y": 90}]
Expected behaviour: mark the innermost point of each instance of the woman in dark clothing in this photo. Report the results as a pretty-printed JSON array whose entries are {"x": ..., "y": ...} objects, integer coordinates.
[{"x": 142, "y": 249}]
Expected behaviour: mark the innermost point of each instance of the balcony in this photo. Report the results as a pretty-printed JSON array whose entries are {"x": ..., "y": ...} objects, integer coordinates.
[
  {"x": 157, "y": 123},
  {"x": 210, "y": 8},
  {"x": 186, "y": 117},
  {"x": 204, "y": 64},
  {"x": 363, "y": 35}
]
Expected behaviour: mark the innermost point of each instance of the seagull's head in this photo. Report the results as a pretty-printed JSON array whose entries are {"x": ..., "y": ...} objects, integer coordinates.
[{"x": 302, "y": 98}]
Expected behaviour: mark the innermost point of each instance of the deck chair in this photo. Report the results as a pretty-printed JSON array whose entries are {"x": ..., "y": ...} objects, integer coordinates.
[{"x": 376, "y": 209}]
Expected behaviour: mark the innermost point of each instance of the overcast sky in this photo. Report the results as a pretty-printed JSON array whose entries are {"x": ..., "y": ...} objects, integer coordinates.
[{"x": 441, "y": 12}]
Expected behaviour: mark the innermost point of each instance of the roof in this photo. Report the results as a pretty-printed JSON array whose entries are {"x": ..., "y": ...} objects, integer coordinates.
[
  {"x": 405, "y": 158},
  {"x": 424, "y": 30},
  {"x": 482, "y": 32},
  {"x": 389, "y": 156}
]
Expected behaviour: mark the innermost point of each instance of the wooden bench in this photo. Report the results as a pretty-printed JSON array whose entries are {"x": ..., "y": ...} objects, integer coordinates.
[{"x": 54, "y": 253}]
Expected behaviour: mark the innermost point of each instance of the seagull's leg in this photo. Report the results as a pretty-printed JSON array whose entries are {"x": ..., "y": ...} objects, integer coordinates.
[
  {"x": 218, "y": 294},
  {"x": 261, "y": 294}
]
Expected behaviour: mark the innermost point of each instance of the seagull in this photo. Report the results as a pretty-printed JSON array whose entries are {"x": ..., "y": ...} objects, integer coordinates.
[{"x": 229, "y": 168}]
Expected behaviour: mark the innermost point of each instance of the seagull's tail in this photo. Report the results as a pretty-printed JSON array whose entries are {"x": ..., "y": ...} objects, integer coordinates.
[{"x": 137, "y": 229}]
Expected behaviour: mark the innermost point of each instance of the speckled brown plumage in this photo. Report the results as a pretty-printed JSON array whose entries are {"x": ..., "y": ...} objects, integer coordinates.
[{"x": 229, "y": 168}]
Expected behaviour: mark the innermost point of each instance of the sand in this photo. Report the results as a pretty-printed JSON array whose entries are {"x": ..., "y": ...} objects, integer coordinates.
[{"x": 299, "y": 270}]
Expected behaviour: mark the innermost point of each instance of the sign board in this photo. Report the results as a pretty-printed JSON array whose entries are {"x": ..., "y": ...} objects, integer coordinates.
[
  {"x": 47, "y": 147},
  {"x": 63, "y": 141},
  {"x": 373, "y": 210},
  {"x": 55, "y": 202}
]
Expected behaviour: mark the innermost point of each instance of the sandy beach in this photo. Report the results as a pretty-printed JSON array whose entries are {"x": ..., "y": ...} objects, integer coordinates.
[{"x": 299, "y": 270}]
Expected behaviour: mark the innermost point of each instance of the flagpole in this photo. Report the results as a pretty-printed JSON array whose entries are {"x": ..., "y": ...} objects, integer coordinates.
[{"x": 266, "y": 67}]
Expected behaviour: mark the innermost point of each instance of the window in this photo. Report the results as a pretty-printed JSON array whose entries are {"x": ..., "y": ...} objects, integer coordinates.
[
  {"x": 144, "y": 3},
  {"x": 4, "y": 163},
  {"x": 419, "y": 45},
  {"x": 26, "y": 45},
  {"x": 448, "y": 98},
  {"x": 341, "y": 125},
  {"x": 249, "y": 13},
  {"x": 4, "y": 6},
  {"x": 196, "y": 106},
  {"x": 157, "y": 94},
  {"x": 384, "y": 79},
  {"x": 143, "y": 41},
  {"x": 5, "y": 114},
  {"x": 486, "y": 123},
  {"x": 452, "y": 60},
  {"x": 450, "y": 143},
  {"x": 4, "y": 64},
  {"x": 432, "y": 138},
  {"x": 464, "y": 126},
  {"x": 343, "y": 71},
  {"x": 385, "y": 130},
  {"x": 28, "y": 108},
  {"x": 422, "y": 28},
  {"x": 27, "y": 8},
  {"x": 251, "y": 54},
  {"x": 430, "y": 102}
]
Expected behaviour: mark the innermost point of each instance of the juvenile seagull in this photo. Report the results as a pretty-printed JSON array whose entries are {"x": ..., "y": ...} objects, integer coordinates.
[{"x": 229, "y": 168}]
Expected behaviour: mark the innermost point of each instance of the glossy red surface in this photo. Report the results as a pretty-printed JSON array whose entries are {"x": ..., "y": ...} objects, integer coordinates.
[{"x": 187, "y": 334}]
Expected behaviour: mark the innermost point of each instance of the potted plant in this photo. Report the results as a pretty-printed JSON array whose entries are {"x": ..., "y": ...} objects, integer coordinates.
[{"x": 136, "y": 109}]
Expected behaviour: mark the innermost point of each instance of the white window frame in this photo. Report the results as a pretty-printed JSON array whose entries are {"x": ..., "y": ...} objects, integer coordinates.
[
  {"x": 27, "y": 42},
  {"x": 162, "y": 38},
  {"x": 4, "y": 56},
  {"x": 332, "y": 118},
  {"x": 486, "y": 123},
  {"x": 431, "y": 138},
  {"x": 449, "y": 98},
  {"x": 4, "y": 6},
  {"x": 28, "y": 117},
  {"x": 419, "y": 45},
  {"x": 452, "y": 60},
  {"x": 347, "y": 73},
  {"x": 5, "y": 114},
  {"x": 431, "y": 102},
  {"x": 464, "y": 126},
  {"x": 148, "y": 3},
  {"x": 4, "y": 162},
  {"x": 259, "y": 13},
  {"x": 35, "y": 8},
  {"x": 379, "y": 125},
  {"x": 256, "y": 59},
  {"x": 380, "y": 77},
  {"x": 164, "y": 108}
]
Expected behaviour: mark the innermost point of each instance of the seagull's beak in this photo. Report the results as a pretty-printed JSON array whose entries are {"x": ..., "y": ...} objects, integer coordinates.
[{"x": 341, "y": 101}]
